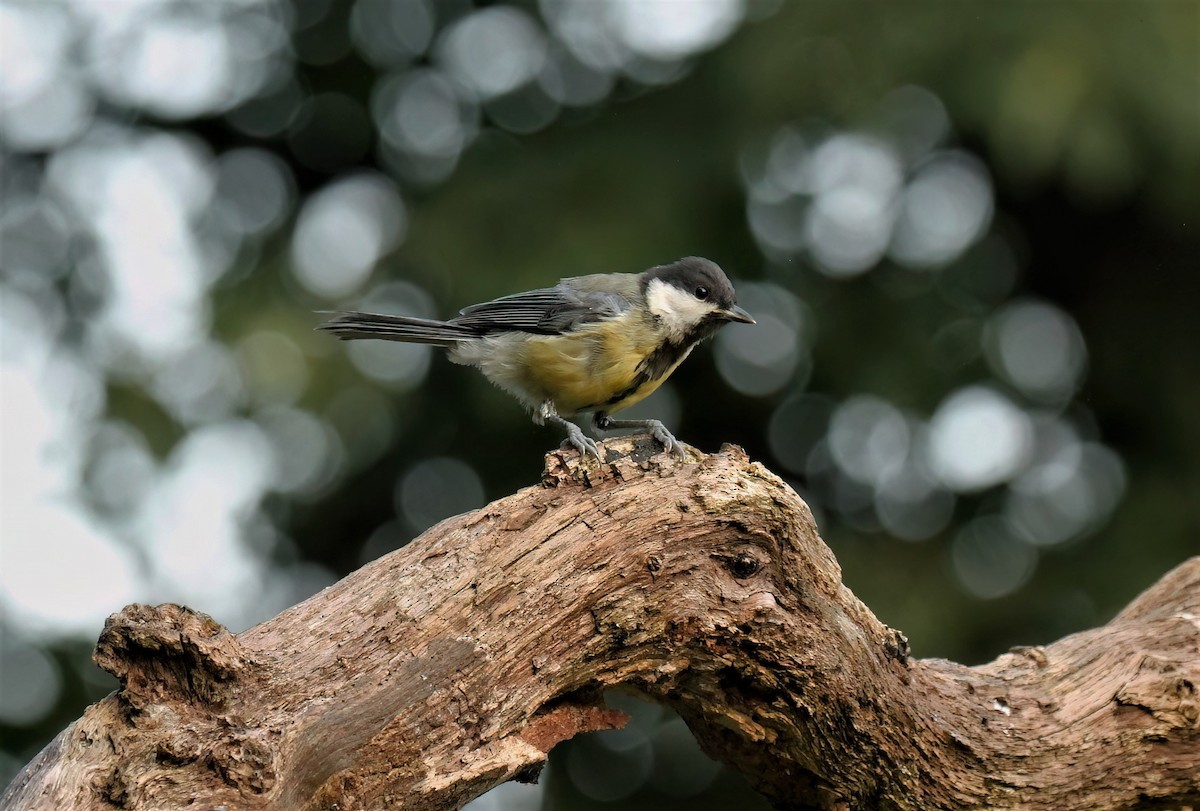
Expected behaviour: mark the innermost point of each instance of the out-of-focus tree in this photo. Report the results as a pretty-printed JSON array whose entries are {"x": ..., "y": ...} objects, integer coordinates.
[{"x": 968, "y": 233}]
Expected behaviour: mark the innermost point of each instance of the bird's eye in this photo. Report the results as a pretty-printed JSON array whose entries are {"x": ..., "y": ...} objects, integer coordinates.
[{"x": 701, "y": 292}]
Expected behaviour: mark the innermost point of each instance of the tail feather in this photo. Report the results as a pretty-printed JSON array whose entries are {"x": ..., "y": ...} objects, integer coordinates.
[{"x": 350, "y": 326}]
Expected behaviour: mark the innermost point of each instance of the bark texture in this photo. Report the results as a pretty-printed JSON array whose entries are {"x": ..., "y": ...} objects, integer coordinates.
[{"x": 445, "y": 668}]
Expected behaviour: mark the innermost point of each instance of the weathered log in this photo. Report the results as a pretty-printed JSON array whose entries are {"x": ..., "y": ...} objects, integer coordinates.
[{"x": 449, "y": 666}]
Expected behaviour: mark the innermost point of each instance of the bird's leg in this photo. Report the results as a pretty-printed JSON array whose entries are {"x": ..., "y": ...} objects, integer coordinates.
[
  {"x": 603, "y": 422},
  {"x": 575, "y": 435}
]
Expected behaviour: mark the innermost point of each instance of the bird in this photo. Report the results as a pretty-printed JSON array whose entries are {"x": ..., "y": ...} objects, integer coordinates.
[{"x": 590, "y": 344}]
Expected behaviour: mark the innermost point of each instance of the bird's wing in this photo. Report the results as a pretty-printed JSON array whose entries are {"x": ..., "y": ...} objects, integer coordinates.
[{"x": 548, "y": 311}]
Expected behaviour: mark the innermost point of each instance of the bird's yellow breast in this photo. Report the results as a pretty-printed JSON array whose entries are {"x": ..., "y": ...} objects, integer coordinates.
[{"x": 598, "y": 367}]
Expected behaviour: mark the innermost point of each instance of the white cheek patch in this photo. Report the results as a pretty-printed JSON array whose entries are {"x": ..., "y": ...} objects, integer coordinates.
[{"x": 680, "y": 311}]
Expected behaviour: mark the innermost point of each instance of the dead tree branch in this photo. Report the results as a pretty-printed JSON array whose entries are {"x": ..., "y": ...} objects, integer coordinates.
[{"x": 445, "y": 668}]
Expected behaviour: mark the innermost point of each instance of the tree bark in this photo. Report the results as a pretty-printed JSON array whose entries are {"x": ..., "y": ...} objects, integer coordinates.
[{"x": 456, "y": 663}]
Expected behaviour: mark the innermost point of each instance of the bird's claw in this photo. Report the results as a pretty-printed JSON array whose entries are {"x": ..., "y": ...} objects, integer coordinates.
[
  {"x": 667, "y": 440},
  {"x": 584, "y": 444}
]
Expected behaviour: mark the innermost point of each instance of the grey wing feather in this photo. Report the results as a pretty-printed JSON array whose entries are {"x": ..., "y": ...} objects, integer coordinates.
[
  {"x": 353, "y": 325},
  {"x": 547, "y": 311}
]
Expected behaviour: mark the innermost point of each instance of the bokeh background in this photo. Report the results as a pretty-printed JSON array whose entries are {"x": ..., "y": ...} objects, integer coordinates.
[{"x": 969, "y": 232}]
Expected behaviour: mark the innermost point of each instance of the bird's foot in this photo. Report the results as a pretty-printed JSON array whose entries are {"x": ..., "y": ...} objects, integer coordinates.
[
  {"x": 666, "y": 438},
  {"x": 656, "y": 429},
  {"x": 581, "y": 442},
  {"x": 576, "y": 438}
]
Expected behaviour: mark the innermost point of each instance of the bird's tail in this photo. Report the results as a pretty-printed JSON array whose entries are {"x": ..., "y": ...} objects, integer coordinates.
[{"x": 348, "y": 326}]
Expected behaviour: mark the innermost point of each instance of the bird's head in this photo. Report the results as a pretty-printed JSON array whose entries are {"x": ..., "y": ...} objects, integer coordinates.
[{"x": 692, "y": 297}]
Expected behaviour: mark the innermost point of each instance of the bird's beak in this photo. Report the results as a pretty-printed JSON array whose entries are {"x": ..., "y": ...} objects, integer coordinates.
[{"x": 736, "y": 313}]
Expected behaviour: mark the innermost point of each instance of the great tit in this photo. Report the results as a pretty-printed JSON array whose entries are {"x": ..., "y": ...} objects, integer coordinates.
[{"x": 594, "y": 344}]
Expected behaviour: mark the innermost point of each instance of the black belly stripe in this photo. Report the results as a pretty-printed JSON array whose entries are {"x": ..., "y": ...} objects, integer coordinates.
[
  {"x": 638, "y": 382},
  {"x": 662, "y": 359},
  {"x": 655, "y": 365}
]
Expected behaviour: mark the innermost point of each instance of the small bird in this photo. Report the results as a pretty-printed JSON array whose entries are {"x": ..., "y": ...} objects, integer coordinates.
[{"x": 594, "y": 344}]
